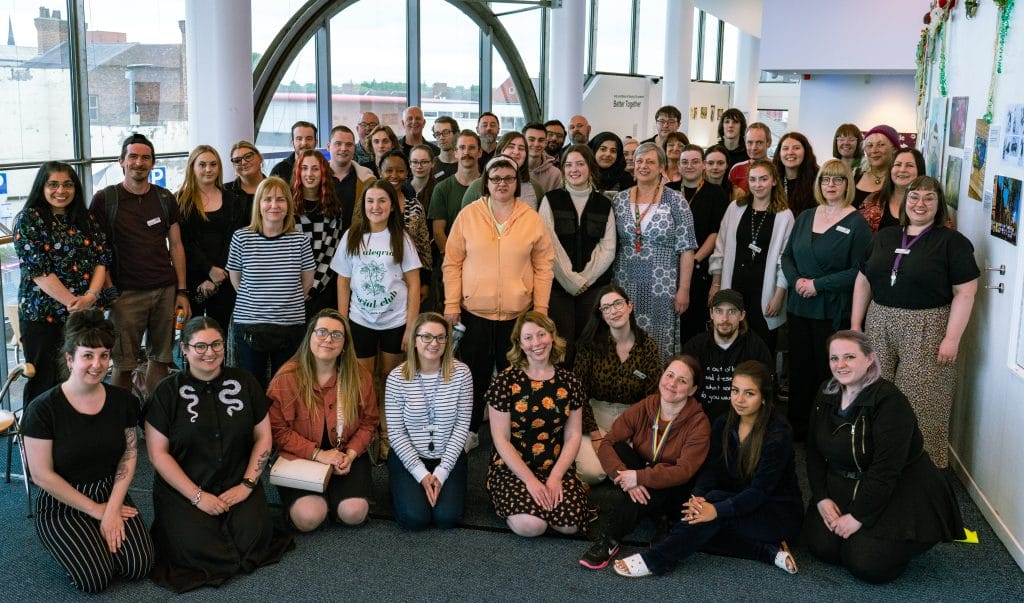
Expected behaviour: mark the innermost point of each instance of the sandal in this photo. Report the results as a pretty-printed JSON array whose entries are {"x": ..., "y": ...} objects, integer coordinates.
[
  {"x": 632, "y": 567},
  {"x": 784, "y": 560}
]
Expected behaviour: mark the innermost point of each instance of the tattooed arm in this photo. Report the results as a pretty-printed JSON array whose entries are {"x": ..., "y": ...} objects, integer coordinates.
[
  {"x": 114, "y": 512},
  {"x": 258, "y": 459}
]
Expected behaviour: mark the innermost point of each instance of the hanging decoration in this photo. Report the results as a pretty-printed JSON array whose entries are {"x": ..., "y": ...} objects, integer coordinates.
[{"x": 1002, "y": 30}]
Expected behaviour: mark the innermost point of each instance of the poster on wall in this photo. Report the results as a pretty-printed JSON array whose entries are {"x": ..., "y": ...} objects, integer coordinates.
[
  {"x": 1006, "y": 208},
  {"x": 711, "y": 116},
  {"x": 934, "y": 136},
  {"x": 958, "y": 121},
  {"x": 954, "y": 166},
  {"x": 1013, "y": 139},
  {"x": 977, "y": 181}
]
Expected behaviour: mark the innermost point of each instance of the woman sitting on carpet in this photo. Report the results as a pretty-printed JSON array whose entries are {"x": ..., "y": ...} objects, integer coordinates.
[{"x": 208, "y": 437}]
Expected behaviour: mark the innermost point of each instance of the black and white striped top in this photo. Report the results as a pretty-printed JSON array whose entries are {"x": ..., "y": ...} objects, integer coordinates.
[
  {"x": 271, "y": 267},
  {"x": 406, "y": 410}
]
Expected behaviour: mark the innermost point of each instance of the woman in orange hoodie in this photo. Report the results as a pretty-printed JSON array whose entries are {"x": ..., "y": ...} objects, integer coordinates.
[{"x": 498, "y": 264}]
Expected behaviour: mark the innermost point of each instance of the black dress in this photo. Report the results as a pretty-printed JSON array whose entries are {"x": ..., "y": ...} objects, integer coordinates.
[
  {"x": 748, "y": 274},
  {"x": 210, "y": 428},
  {"x": 708, "y": 204}
]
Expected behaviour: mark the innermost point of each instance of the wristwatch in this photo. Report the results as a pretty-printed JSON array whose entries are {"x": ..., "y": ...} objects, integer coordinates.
[{"x": 248, "y": 483}]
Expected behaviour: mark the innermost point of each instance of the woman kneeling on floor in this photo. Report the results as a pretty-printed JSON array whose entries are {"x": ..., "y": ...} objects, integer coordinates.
[
  {"x": 428, "y": 401},
  {"x": 208, "y": 437},
  {"x": 877, "y": 499},
  {"x": 537, "y": 425},
  {"x": 653, "y": 452},
  {"x": 323, "y": 408},
  {"x": 747, "y": 500}
]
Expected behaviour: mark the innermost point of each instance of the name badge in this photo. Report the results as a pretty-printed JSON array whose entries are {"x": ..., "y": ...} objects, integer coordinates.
[
  {"x": 639, "y": 375},
  {"x": 753, "y": 247},
  {"x": 902, "y": 251},
  {"x": 431, "y": 429},
  {"x": 843, "y": 229},
  {"x": 153, "y": 222}
]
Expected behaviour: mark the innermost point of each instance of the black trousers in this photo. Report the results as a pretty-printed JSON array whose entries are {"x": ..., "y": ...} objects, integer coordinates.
[
  {"x": 483, "y": 349},
  {"x": 570, "y": 314},
  {"x": 626, "y": 513},
  {"x": 808, "y": 367},
  {"x": 41, "y": 342}
]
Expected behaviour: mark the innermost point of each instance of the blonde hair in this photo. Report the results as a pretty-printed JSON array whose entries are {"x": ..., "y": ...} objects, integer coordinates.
[
  {"x": 272, "y": 183},
  {"x": 516, "y": 357},
  {"x": 412, "y": 358},
  {"x": 189, "y": 198},
  {"x": 348, "y": 384},
  {"x": 835, "y": 167}
]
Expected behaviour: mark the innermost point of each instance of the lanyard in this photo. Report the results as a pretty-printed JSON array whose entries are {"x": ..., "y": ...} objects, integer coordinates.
[
  {"x": 656, "y": 444},
  {"x": 696, "y": 192},
  {"x": 431, "y": 410},
  {"x": 639, "y": 217},
  {"x": 904, "y": 249}
]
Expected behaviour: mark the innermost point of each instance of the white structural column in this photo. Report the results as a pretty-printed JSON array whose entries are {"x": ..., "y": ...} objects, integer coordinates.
[
  {"x": 565, "y": 60},
  {"x": 675, "y": 88},
  {"x": 748, "y": 73},
  {"x": 218, "y": 49}
]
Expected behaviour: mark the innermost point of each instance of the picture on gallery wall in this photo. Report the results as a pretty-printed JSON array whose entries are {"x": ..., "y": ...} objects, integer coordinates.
[
  {"x": 934, "y": 136},
  {"x": 954, "y": 166},
  {"x": 711, "y": 115},
  {"x": 908, "y": 139},
  {"x": 958, "y": 121},
  {"x": 1013, "y": 135},
  {"x": 1006, "y": 209},
  {"x": 977, "y": 182}
]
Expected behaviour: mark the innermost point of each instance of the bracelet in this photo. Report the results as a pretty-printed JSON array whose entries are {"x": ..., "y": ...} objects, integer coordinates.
[
  {"x": 249, "y": 483},
  {"x": 197, "y": 497},
  {"x": 182, "y": 292}
]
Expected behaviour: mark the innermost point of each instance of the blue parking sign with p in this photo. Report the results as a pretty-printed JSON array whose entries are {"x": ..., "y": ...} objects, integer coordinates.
[
  {"x": 158, "y": 176},
  {"x": 3, "y": 183}
]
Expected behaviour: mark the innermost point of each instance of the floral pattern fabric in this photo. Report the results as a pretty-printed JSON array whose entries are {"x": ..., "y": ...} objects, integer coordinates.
[
  {"x": 53, "y": 245},
  {"x": 539, "y": 411}
]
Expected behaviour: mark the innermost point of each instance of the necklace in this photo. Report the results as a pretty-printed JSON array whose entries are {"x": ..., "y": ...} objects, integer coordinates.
[
  {"x": 878, "y": 179},
  {"x": 754, "y": 249},
  {"x": 431, "y": 426},
  {"x": 638, "y": 217}
]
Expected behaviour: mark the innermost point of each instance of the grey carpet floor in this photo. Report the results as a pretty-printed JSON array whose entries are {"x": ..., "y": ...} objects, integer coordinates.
[{"x": 483, "y": 561}]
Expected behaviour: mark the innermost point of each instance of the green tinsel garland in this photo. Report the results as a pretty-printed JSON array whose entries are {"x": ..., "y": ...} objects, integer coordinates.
[{"x": 1005, "y": 9}]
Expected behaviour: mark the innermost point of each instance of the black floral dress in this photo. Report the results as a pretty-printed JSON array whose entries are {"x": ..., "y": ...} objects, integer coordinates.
[{"x": 539, "y": 411}]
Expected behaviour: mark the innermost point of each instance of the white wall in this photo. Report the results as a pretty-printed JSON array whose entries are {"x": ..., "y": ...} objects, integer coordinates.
[
  {"x": 869, "y": 35},
  {"x": 988, "y": 415},
  {"x": 743, "y": 14},
  {"x": 626, "y": 105},
  {"x": 829, "y": 100}
]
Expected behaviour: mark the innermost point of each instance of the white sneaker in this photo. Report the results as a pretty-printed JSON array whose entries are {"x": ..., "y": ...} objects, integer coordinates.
[{"x": 472, "y": 441}]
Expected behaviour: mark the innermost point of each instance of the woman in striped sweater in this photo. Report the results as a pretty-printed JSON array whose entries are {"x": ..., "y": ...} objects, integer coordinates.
[
  {"x": 271, "y": 266},
  {"x": 428, "y": 402}
]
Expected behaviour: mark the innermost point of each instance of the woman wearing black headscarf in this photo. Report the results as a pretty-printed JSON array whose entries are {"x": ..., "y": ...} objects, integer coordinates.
[{"x": 612, "y": 177}]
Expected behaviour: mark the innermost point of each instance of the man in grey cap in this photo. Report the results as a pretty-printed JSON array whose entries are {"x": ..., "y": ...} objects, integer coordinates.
[{"x": 729, "y": 343}]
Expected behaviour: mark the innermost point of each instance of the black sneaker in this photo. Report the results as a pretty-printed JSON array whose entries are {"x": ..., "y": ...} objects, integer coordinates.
[{"x": 600, "y": 554}]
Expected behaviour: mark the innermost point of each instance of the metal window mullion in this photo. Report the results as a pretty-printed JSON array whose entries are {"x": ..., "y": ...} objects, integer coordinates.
[
  {"x": 593, "y": 36},
  {"x": 700, "y": 45},
  {"x": 412, "y": 52},
  {"x": 721, "y": 47},
  {"x": 486, "y": 101},
  {"x": 634, "y": 37},
  {"x": 79, "y": 69},
  {"x": 542, "y": 77},
  {"x": 324, "y": 91}
]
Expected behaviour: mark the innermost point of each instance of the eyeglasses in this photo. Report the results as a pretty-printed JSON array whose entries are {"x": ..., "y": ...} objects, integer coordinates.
[
  {"x": 202, "y": 346},
  {"x": 615, "y": 305},
  {"x": 368, "y": 124},
  {"x": 915, "y": 197},
  {"x": 501, "y": 179},
  {"x": 420, "y": 162},
  {"x": 243, "y": 158},
  {"x": 426, "y": 338},
  {"x": 440, "y": 133},
  {"x": 667, "y": 122},
  {"x": 833, "y": 179},
  {"x": 322, "y": 333},
  {"x": 54, "y": 185}
]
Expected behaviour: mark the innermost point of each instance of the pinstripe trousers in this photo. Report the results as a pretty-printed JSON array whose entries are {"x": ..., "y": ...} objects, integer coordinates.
[{"x": 75, "y": 541}]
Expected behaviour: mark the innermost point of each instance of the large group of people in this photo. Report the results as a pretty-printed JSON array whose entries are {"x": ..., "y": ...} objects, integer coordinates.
[{"x": 611, "y": 308}]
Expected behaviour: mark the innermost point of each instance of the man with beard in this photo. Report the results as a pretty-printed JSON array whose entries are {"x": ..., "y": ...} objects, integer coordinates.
[
  {"x": 555, "y": 131},
  {"x": 579, "y": 130},
  {"x": 487, "y": 126},
  {"x": 446, "y": 200},
  {"x": 303, "y": 138},
  {"x": 729, "y": 343}
]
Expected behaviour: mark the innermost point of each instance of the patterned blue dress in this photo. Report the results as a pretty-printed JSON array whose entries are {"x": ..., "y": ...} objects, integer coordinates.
[{"x": 651, "y": 276}]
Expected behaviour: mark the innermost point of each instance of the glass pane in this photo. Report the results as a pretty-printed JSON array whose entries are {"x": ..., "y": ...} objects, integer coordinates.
[
  {"x": 730, "y": 51},
  {"x": 709, "y": 56},
  {"x": 524, "y": 29},
  {"x": 109, "y": 172},
  {"x": 268, "y": 17},
  {"x": 35, "y": 85},
  {"x": 505, "y": 97},
  {"x": 294, "y": 100},
  {"x": 137, "y": 74},
  {"x": 650, "y": 53},
  {"x": 614, "y": 20},
  {"x": 695, "y": 55},
  {"x": 368, "y": 68},
  {"x": 449, "y": 64},
  {"x": 18, "y": 183}
]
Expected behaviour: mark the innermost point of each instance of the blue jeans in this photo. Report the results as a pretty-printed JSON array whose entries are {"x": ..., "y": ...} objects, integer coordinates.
[
  {"x": 256, "y": 362},
  {"x": 412, "y": 510}
]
